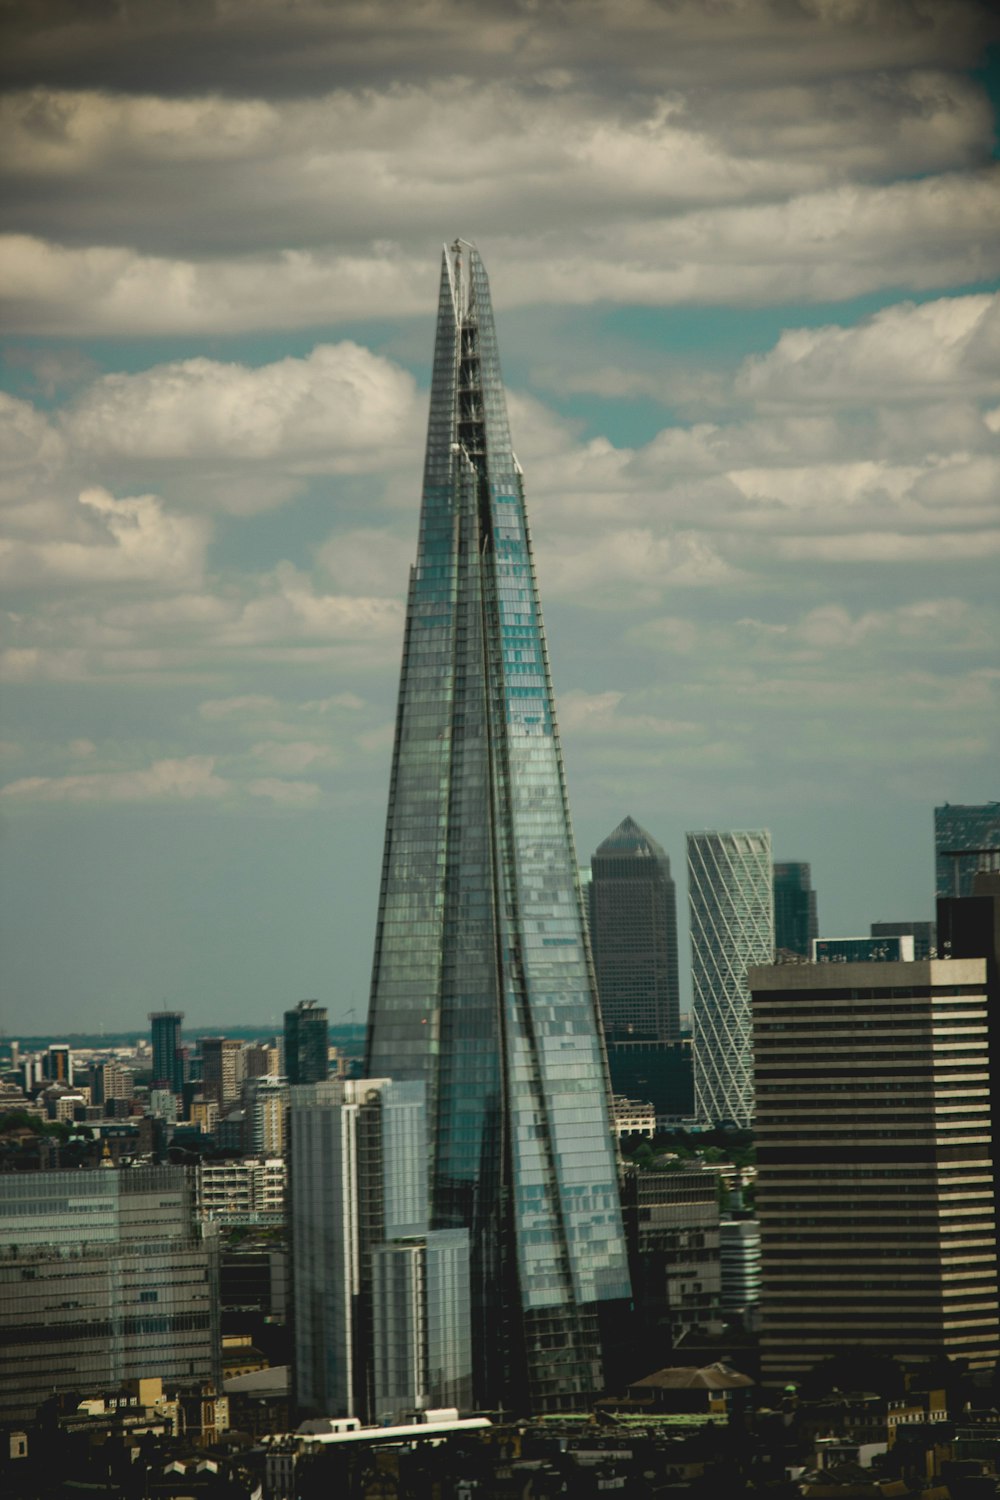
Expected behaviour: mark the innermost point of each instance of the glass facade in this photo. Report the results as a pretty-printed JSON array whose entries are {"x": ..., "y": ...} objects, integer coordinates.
[
  {"x": 732, "y": 926},
  {"x": 633, "y": 914},
  {"x": 358, "y": 1177},
  {"x": 105, "y": 1276},
  {"x": 168, "y": 1054},
  {"x": 422, "y": 1349},
  {"x": 307, "y": 1039},
  {"x": 796, "y": 921},
  {"x": 482, "y": 986},
  {"x": 966, "y": 842}
]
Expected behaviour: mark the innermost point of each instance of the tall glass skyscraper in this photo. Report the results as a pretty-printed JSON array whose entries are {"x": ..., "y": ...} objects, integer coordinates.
[
  {"x": 732, "y": 927},
  {"x": 168, "y": 1055},
  {"x": 481, "y": 984},
  {"x": 633, "y": 932},
  {"x": 966, "y": 841},
  {"x": 796, "y": 922},
  {"x": 307, "y": 1043}
]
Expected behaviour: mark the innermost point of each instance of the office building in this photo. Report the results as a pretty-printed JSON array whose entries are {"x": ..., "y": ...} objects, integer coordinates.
[
  {"x": 795, "y": 918},
  {"x": 730, "y": 892},
  {"x": 266, "y": 1103},
  {"x": 421, "y": 1336},
  {"x": 924, "y": 935},
  {"x": 110, "y": 1080},
  {"x": 672, "y": 1223},
  {"x": 969, "y": 927},
  {"x": 168, "y": 1050},
  {"x": 358, "y": 1181},
  {"x": 249, "y": 1192},
  {"x": 874, "y": 1167},
  {"x": 106, "y": 1276},
  {"x": 57, "y": 1064},
  {"x": 307, "y": 1041},
  {"x": 633, "y": 933},
  {"x": 482, "y": 986},
  {"x": 261, "y": 1060},
  {"x": 222, "y": 1071},
  {"x": 966, "y": 841}
]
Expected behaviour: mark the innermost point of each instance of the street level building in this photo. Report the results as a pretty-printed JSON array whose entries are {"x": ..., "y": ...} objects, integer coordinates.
[
  {"x": 105, "y": 1276},
  {"x": 874, "y": 1166},
  {"x": 732, "y": 927},
  {"x": 633, "y": 933},
  {"x": 482, "y": 985}
]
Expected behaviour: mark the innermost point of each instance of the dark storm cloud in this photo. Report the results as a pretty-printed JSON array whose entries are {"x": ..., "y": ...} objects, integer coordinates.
[{"x": 280, "y": 48}]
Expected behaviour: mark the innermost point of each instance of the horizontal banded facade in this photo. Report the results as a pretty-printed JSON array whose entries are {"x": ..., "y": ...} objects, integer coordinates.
[{"x": 874, "y": 1188}]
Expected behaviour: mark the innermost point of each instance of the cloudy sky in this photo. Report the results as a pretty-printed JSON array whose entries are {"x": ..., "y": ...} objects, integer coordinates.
[{"x": 745, "y": 260}]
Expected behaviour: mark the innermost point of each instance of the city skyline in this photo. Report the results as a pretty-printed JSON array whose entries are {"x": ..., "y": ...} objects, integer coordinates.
[{"x": 748, "y": 266}]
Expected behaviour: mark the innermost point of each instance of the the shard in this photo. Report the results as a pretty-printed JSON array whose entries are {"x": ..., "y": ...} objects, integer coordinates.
[{"x": 482, "y": 985}]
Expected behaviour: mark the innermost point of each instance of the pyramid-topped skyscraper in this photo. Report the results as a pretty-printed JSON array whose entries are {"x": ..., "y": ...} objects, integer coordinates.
[
  {"x": 481, "y": 985},
  {"x": 633, "y": 916}
]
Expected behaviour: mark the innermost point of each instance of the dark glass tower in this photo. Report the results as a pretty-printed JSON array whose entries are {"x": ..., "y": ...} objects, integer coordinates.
[
  {"x": 168, "y": 1055},
  {"x": 795, "y": 920},
  {"x": 481, "y": 985},
  {"x": 307, "y": 1043},
  {"x": 633, "y": 931},
  {"x": 966, "y": 842}
]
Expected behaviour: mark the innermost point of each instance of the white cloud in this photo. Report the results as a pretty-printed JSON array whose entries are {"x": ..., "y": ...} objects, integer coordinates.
[
  {"x": 190, "y": 779},
  {"x": 901, "y": 353},
  {"x": 820, "y": 245},
  {"x": 340, "y": 409},
  {"x": 131, "y": 540}
]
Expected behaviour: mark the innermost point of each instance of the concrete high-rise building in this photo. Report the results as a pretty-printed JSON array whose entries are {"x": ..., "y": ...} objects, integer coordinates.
[
  {"x": 307, "y": 1043},
  {"x": 168, "y": 1051},
  {"x": 358, "y": 1182},
  {"x": 969, "y": 927},
  {"x": 732, "y": 927},
  {"x": 924, "y": 935},
  {"x": 222, "y": 1071},
  {"x": 266, "y": 1103},
  {"x": 110, "y": 1080},
  {"x": 633, "y": 933},
  {"x": 966, "y": 841},
  {"x": 262, "y": 1060},
  {"x": 874, "y": 1168},
  {"x": 482, "y": 986},
  {"x": 105, "y": 1276},
  {"x": 796, "y": 922}
]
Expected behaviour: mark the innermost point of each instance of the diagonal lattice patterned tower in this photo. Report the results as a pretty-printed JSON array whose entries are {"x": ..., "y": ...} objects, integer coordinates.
[
  {"x": 732, "y": 926},
  {"x": 482, "y": 985}
]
